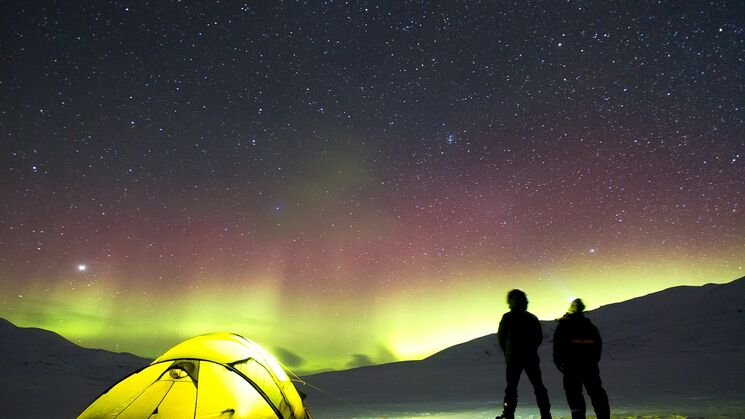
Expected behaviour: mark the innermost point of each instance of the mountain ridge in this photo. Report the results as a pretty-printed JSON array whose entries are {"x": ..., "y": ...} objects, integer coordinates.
[
  {"x": 38, "y": 362},
  {"x": 683, "y": 343},
  {"x": 654, "y": 345}
]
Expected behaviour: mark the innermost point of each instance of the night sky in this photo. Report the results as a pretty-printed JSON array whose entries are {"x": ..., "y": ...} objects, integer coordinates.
[{"x": 358, "y": 182}]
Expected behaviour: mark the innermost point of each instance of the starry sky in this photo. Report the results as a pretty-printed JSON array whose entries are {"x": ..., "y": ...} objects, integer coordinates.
[{"x": 350, "y": 183}]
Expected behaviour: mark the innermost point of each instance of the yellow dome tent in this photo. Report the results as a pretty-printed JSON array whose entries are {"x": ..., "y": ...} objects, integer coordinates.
[{"x": 218, "y": 375}]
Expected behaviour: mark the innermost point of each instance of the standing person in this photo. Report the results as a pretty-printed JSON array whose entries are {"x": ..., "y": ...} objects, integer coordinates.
[
  {"x": 519, "y": 336},
  {"x": 577, "y": 347}
]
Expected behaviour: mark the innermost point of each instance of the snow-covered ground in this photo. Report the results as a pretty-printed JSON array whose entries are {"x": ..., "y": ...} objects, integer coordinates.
[
  {"x": 489, "y": 412},
  {"x": 46, "y": 376},
  {"x": 677, "y": 353}
]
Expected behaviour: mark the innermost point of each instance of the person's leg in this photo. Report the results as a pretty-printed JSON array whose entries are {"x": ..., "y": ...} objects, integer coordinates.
[
  {"x": 597, "y": 394},
  {"x": 533, "y": 370},
  {"x": 513, "y": 371},
  {"x": 573, "y": 391}
]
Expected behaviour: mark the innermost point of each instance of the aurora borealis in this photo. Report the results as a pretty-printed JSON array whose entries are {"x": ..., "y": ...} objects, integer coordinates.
[{"x": 359, "y": 183}]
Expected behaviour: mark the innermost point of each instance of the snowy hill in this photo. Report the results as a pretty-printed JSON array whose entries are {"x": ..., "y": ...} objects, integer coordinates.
[
  {"x": 679, "y": 347},
  {"x": 45, "y": 375}
]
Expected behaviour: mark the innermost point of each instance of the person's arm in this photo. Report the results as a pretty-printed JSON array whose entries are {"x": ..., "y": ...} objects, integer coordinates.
[
  {"x": 559, "y": 347},
  {"x": 502, "y": 333},
  {"x": 538, "y": 332},
  {"x": 598, "y": 344}
]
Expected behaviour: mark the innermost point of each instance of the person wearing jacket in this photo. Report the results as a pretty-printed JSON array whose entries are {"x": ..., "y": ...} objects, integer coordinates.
[
  {"x": 519, "y": 336},
  {"x": 577, "y": 349}
]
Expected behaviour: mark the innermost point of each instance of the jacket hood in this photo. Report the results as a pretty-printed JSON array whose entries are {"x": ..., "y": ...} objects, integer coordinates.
[{"x": 573, "y": 317}]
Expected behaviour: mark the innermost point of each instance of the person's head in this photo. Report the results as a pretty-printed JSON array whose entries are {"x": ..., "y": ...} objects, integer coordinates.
[
  {"x": 517, "y": 300},
  {"x": 577, "y": 307}
]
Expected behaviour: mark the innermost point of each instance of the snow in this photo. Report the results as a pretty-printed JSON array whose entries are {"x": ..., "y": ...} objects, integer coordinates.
[
  {"x": 45, "y": 375},
  {"x": 676, "y": 352},
  {"x": 681, "y": 348}
]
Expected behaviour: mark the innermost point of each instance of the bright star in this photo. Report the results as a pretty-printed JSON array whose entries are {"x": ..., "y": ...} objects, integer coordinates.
[{"x": 82, "y": 267}]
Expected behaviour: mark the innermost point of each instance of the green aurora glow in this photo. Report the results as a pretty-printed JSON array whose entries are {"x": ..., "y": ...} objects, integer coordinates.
[
  {"x": 360, "y": 183},
  {"x": 326, "y": 332}
]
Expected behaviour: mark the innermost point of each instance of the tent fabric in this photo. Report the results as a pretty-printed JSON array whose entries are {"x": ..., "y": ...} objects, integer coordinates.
[{"x": 218, "y": 375}]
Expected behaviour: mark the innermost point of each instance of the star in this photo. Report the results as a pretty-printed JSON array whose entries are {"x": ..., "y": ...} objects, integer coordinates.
[{"x": 404, "y": 170}]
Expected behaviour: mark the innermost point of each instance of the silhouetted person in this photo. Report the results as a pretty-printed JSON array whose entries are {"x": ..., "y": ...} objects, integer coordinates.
[
  {"x": 519, "y": 336},
  {"x": 577, "y": 348}
]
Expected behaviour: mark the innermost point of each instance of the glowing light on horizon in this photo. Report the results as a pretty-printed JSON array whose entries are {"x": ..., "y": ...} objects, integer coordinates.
[{"x": 344, "y": 212}]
